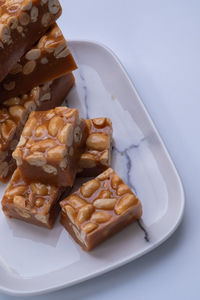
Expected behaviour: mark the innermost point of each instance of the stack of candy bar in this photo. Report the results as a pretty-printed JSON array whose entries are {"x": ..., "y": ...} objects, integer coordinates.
[
  {"x": 36, "y": 68},
  {"x": 50, "y": 145}
]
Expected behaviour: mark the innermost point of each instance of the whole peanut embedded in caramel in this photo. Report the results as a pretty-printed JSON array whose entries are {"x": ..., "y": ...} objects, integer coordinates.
[
  {"x": 54, "y": 141},
  {"x": 97, "y": 155},
  {"x": 101, "y": 207}
]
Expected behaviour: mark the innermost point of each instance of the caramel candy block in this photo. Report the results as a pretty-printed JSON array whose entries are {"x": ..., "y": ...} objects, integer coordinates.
[
  {"x": 22, "y": 24},
  {"x": 35, "y": 203},
  {"x": 48, "y": 60},
  {"x": 97, "y": 154},
  {"x": 50, "y": 146},
  {"x": 15, "y": 111},
  {"x": 100, "y": 208}
]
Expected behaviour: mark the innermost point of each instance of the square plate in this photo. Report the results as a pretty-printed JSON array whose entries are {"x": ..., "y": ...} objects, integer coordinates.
[{"x": 34, "y": 260}]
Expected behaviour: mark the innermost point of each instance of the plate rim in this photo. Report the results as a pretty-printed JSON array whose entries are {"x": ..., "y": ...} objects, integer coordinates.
[{"x": 122, "y": 262}]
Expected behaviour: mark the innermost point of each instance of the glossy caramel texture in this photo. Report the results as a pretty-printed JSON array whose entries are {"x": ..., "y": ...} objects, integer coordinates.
[
  {"x": 48, "y": 60},
  {"x": 97, "y": 154},
  {"x": 22, "y": 24},
  {"x": 100, "y": 208},
  {"x": 15, "y": 111},
  {"x": 50, "y": 146},
  {"x": 35, "y": 203}
]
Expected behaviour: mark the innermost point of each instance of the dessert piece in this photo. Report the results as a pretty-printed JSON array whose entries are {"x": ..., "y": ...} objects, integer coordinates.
[
  {"x": 96, "y": 157},
  {"x": 100, "y": 208},
  {"x": 35, "y": 203},
  {"x": 22, "y": 23},
  {"x": 48, "y": 60},
  {"x": 15, "y": 111},
  {"x": 50, "y": 146}
]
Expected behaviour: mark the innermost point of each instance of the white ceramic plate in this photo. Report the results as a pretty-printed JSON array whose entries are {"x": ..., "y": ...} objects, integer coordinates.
[{"x": 34, "y": 260}]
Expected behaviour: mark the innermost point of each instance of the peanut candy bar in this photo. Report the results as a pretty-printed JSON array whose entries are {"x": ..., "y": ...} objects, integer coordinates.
[
  {"x": 22, "y": 23},
  {"x": 48, "y": 60},
  {"x": 100, "y": 208},
  {"x": 15, "y": 111},
  {"x": 97, "y": 154},
  {"x": 50, "y": 146},
  {"x": 35, "y": 203}
]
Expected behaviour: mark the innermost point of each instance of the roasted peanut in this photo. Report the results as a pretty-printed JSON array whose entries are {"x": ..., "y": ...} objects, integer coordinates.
[
  {"x": 63, "y": 53},
  {"x": 63, "y": 163},
  {"x": 89, "y": 227},
  {"x": 42, "y": 219},
  {"x": 39, "y": 202},
  {"x": 76, "y": 201},
  {"x": 30, "y": 106},
  {"x": 34, "y": 14},
  {"x": 22, "y": 141},
  {"x": 84, "y": 213},
  {"x": 46, "y": 18},
  {"x": 8, "y": 129},
  {"x": 45, "y": 97},
  {"x": 80, "y": 236},
  {"x": 100, "y": 217},
  {"x": 105, "y": 194},
  {"x": 66, "y": 135},
  {"x": 115, "y": 181},
  {"x": 105, "y": 175},
  {"x": 12, "y": 22},
  {"x": 41, "y": 131},
  {"x": 50, "y": 169},
  {"x": 19, "y": 201},
  {"x": 5, "y": 34},
  {"x": 29, "y": 127},
  {"x": 53, "y": 6},
  {"x": 39, "y": 189},
  {"x": 99, "y": 122},
  {"x": 105, "y": 203},
  {"x": 50, "y": 114},
  {"x": 29, "y": 67},
  {"x": 36, "y": 159},
  {"x": 17, "y": 112},
  {"x": 57, "y": 153},
  {"x": 77, "y": 135},
  {"x": 125, "y": 203},
  {"x": 123, "y": 189},
  {"x": 33, "y": 54},
  {"x": 35, "y": 94},
  {"x": 97, "y": 141},
  {"x": 17, "y": 155},
  {"x": 55, "y": 124},
  {"x": 59, "y": 49},
  {"x": 16, "y": 191},
  {"x": 70, "y": 212},
  {"x": 24, "y": 19},
  {"x": 89, "y": 187},
  {"x": 22, "y": 213},
  {"x": 105, "y": 159},
  {"x": 87, "y": 160},
  {"x": 43, "y": 145}
]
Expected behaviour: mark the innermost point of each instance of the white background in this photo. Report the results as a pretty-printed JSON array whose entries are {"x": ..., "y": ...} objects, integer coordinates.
[{"x": 158, "y": 41}]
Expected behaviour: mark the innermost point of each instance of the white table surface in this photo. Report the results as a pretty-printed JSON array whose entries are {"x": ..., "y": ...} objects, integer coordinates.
[{"x": 158, "y": 41}]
